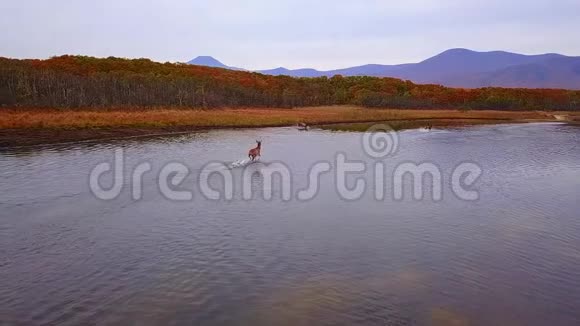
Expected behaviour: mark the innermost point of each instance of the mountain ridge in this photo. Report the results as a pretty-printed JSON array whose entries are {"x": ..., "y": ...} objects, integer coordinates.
[
  {"x": 458, "y": 67},
  {"x": 209, "y": 61}
]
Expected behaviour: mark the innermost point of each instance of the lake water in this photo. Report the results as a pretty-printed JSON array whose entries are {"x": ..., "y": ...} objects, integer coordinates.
[{"x": 512, "y": 257}]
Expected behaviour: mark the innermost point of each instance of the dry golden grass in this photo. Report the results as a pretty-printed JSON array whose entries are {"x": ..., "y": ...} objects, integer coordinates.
[{"x": 220, "y": 118}]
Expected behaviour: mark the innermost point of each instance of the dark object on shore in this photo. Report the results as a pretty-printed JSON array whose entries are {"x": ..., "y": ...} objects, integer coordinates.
[
  {"x": 302, "y": 126},
  {"x": 429, "y": 126}
]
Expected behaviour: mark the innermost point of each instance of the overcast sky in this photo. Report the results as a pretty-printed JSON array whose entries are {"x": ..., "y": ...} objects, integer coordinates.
[{"x": 257, "y": 34}]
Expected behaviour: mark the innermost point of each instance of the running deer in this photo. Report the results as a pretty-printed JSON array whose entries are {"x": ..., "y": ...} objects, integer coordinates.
[{"x": 255, "y": 152}]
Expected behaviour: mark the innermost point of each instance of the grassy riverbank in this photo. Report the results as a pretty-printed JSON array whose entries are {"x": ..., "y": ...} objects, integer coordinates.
[
  {"x": 398, "y": 125},
  {"x": 37, "y": 126}
]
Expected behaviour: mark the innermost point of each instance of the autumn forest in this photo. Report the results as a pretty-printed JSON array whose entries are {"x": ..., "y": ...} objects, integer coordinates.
[{"x": 87, "y": 82}]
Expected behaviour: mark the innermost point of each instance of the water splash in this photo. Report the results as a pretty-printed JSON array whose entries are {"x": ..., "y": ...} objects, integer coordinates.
[{"x": 240, "y": 163}]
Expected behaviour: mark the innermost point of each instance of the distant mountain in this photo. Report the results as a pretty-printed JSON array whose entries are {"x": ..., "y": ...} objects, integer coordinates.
[
  {"x": 466, "y": 68},
  {"x": 368, "y": 70},
  {"x": 365, "y": 70},
  {"x": 205, "y": 60},
  {"x": 460, "y": 68},
  {"x": 305, "y": 72},
  {"x": 462, "y": 61},
  {"x": 562, "y": 72}
]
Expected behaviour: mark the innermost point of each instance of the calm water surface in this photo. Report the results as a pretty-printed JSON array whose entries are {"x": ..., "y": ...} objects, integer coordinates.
[{"x": 510, "y": 258}]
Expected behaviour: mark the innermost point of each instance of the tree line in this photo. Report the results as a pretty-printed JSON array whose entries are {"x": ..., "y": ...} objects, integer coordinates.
[{"x": 82, "y": 82}]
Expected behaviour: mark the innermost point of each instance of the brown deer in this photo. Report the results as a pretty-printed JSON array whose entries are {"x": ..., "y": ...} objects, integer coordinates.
[{"x": 255, "y": 152}]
